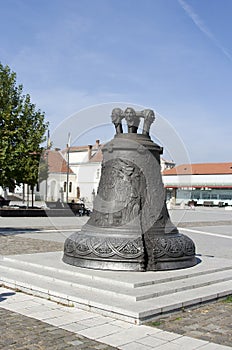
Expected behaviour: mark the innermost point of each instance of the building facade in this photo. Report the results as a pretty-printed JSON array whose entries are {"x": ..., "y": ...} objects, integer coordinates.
[
  {"x": 61, "y": 182},
  {"x": 202, "y": 182},
  {"x": 85, "y": 163}
]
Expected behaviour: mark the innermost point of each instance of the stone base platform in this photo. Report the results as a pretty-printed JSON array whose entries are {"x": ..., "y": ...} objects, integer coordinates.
[{"x": 134, "y": 297}]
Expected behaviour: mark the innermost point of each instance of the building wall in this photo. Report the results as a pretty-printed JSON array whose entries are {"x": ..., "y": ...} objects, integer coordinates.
[
  {"x": 88, "y": 176},
  {"x": 216, "y": 188},
  {"x": 165, "y": 164},
  {"x": 77, "y": 157},
  {"x": 198, "y": 180},
  {"x": 54, "y": 188}
]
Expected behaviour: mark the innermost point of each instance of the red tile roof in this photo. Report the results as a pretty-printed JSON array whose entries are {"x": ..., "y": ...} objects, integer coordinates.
[
  {"x": 78, "y": 148},
  {"x": 97, "y": 157},
  {"x": 95, "y": 151},
  {"x": 56, "y": 163},
  {"x": 83, "y": 148},
  {"x": 200, "y": 169}
]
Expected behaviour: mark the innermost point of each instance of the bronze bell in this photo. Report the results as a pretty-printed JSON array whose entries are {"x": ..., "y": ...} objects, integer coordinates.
[{"x": 130, "y": 227}]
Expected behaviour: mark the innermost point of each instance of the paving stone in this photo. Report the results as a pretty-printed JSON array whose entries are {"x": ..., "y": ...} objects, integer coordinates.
[
  {"x": 75, "y": 342},
  {"x": 24, "y": 333},
  {"x": 151, "y": 341},
  {"x": 135, "y": 346},
  {"x": 210, "y": 322},
  {"x": 100, "y": 331}
]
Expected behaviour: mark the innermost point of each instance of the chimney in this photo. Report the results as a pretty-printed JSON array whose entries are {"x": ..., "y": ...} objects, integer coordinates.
[
  {"x": 97, "y": 143},
  {"x": 89, "y": 151}
]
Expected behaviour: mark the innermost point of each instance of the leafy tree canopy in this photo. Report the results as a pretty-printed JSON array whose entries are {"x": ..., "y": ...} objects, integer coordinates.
[{"x": 22, "y": 131}]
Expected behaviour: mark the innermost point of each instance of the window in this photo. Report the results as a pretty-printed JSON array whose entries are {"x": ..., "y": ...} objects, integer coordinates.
[
  {"x": 225, "y": 196},
  {"x": 98, "y": 174},
  {"x": 65, "y": 186},
  {"x": 195, "y": 195},
  {"x": 213, "y": 196},
  {"x": 70, "y": 187}
]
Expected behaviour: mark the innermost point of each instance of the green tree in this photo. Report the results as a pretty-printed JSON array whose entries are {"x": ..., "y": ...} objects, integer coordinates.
[
  {"x": 22, "y": 130},
  {"x": 11, "y": 102}
]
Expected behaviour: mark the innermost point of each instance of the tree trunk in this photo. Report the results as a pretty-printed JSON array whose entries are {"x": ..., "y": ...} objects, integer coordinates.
[{"x": 32, "y": 196}]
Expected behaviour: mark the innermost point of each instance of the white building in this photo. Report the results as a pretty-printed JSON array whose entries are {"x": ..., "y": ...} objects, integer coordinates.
[
  {"x": 55, "y": 187},
  {"x": 85, "y": 162},
  {"x": 166, "y": 164},
  {"x": 203, "y": 183}
]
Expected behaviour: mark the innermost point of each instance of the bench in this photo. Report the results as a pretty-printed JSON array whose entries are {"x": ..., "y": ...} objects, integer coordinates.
[{"x": 208, "y": 203}]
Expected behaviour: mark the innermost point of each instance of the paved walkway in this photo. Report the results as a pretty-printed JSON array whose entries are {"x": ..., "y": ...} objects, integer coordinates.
[
  {"x": 20, "y": 332},
  {"x": 29, "y": 322}
]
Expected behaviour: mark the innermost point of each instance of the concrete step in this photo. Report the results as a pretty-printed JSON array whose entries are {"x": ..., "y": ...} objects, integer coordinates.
[
  {"x": 53, "y": 261},
  {"x": 132, "y": 311},
  {"x": 107, "y": 288},
  {"x": 138, "y": 297}
]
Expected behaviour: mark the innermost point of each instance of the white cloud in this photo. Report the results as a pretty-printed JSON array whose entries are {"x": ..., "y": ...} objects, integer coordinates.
[{"x": 203, "y": 28}]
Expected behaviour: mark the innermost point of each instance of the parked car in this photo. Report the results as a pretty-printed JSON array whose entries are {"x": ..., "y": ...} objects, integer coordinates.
[{"x": 79, "y": 209}]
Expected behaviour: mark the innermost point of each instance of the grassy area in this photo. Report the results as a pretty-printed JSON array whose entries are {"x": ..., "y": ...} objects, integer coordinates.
[
  {"x": 228, "y": 300},
  {"x": 162, "y": 321}
]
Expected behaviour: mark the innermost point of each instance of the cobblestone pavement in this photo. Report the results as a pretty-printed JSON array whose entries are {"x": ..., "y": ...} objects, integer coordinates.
[
  {"x": 19, "y": 332},
  {"x": 11, "y": 245},
  {"x": 211, "y": 322}
]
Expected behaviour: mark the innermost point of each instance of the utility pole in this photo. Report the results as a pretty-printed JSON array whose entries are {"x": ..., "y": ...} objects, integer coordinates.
[
  {"x": 46, "y": 180},
  {"x": 67, "y": 182},
  {"x": 46, "y": 160}
]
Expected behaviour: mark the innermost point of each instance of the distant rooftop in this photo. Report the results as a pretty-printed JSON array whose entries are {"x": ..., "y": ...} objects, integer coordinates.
[
  {"x": 200, "y": 169},
  {"x": 85, "y": 148},
  {"x": 97, "y": 156},
  {"x": 56, "y": 162}
]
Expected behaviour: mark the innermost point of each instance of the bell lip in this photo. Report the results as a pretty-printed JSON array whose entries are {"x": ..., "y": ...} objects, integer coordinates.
[
  {"x": 174, "y": 263},
  {"x": 112, "y": 265}
]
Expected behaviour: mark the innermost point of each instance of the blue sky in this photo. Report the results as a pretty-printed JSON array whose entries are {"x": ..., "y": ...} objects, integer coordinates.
[{"x": 174, "y": 56}]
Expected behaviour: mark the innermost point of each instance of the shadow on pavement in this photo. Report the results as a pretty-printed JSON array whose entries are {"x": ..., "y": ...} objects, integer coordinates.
[
  {"x": 3, "y": 296},
  {"x": 10, "y": 231}
]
